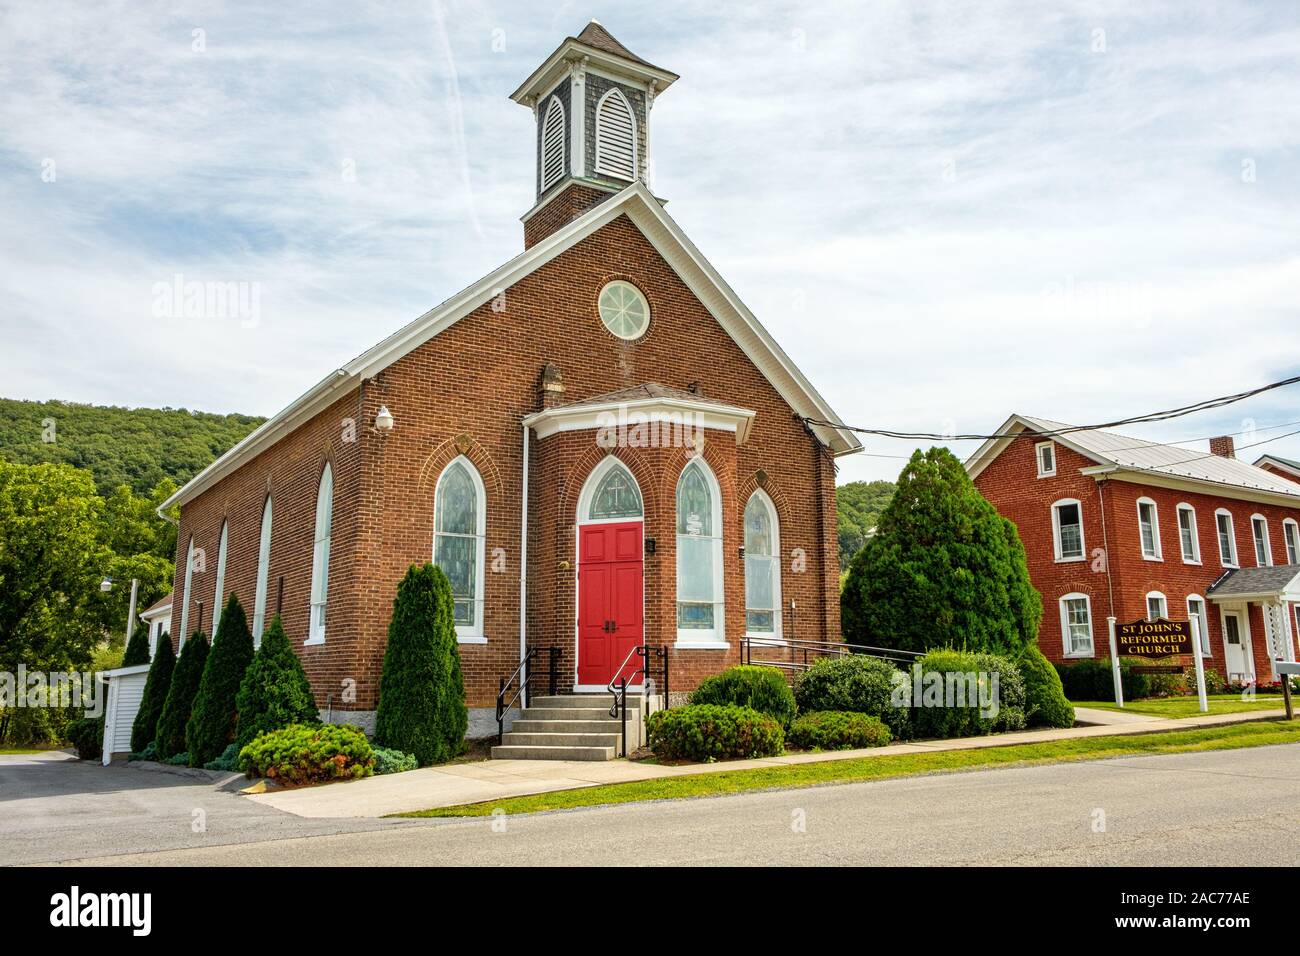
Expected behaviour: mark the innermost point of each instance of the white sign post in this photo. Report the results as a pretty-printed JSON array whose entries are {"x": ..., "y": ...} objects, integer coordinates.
[
  {"x": 1200, "y": 663},
  {"x": 1114, "y": 663}
]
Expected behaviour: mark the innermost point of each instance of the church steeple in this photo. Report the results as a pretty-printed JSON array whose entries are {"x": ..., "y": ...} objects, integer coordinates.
[{"x": 592, "y": 99}]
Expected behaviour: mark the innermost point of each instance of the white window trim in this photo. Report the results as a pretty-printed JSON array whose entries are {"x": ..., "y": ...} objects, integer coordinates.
[
  {"x": 469, "y": 633},
  {"x": 218, "y": 593},
  {"x": 777, "y": 633},
  {"x": 615, "y": 92},
  {"x": 1038, "y": 459},
  {"x": 324, "y": 514},
  {"x": 1056, "y": 531},
  {"x": 263, "y": 573},
  {"x": 1164, "y": 603},
  {"x": 554, "y": 113},
  {"x": 1066, "y": 643},
  {"x": 1158, "y": 554},
  {"x": 1203, "y": 618},
  {"x": 1293, "y": 527},
  {"x": 694, "y": 637},
  {"x": 1228, "y": 561},
  {"x": 607, "y": 464},
  {"x": 1196, "y": 533},
  {"x": 185, "y": 593},
  {"x": 1255, "y": 521}
]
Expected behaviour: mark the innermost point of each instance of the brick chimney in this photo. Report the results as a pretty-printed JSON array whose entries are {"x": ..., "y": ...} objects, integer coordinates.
[{"x": 1223, "y": 447}]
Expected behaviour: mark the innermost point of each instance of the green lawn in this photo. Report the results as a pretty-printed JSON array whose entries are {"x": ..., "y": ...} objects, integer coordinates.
[
  {"x": 1255, "y": 734},
  {"x": 10, "y": 751},
  {"x": 1189, "y": 706}
]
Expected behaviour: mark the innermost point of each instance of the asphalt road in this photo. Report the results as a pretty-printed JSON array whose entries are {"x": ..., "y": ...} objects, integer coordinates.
[{"x": 1184, "y": 810}]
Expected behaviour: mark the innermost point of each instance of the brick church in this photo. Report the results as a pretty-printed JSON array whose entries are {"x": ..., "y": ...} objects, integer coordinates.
[{"x": 597, "y": 442}]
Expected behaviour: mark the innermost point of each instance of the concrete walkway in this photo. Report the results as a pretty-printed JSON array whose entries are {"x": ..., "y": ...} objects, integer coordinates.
[{"x": 498, "y": 779}]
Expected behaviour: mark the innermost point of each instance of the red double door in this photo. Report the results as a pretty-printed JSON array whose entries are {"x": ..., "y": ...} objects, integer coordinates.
[{"x": 610, "y": 591}]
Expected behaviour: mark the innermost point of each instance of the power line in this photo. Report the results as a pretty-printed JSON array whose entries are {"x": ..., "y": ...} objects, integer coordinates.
[{"x": 1179, "y": 412}]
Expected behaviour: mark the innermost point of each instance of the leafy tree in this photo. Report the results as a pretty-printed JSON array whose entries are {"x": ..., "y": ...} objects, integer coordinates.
[
  {"x": 180, "y": 696},
  {"x": 944, "y": 569},
  {"x": 275, "y": 691},
  {"x": 421, "y": 691},
  {"x": 858, "y": 505},
  {"x": 211, "y": 727},
  {"x": 137, "y": 649},
  {"x": 156, "y": 686}
]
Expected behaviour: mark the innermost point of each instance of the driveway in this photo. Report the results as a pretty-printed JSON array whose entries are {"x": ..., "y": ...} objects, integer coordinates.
[{"x": 54, "y": 807}]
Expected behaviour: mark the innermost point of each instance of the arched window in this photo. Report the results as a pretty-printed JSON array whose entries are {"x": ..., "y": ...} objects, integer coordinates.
[
  {"x": 263, "y": 570},
  {"x": 185, "y": 592},
  {"x": 320, "y": 558},
  {"x": 762, "y": 567},
  {"x": 1076, "y": 625},
  {"x": 1067, "y": 529},
  {"x": 699, "y": 555},
  {"x": 219, "y": 595},
  {"x": 1196, "y": 612},
  {"x": 1149, "y": 529},
  {"x": 1291, "y": 532},
  {"x": 1263, "y": 546},
  {"x": 1227, "y": 538},
  {"x": 459, "y": 530},
  {"x": 553, "y": 133},
  {"x": 1188, "y": 538},
  {"x": 1157, "y": 605},
  {"x": 615, "y": 136},
  {"x": 610, "y": 494}
]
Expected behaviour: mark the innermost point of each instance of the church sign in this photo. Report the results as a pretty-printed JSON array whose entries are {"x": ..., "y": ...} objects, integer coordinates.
[{"x": 1158, "y": 638}]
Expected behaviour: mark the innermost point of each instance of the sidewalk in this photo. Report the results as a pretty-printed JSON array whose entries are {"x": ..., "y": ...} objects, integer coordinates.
[{"x": 497, "y": 779}]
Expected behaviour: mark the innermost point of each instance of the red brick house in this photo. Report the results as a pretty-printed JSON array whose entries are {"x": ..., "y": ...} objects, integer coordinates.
[
  {"x": 598, "y": 442},
  {"x": 1118, "y": 526}
]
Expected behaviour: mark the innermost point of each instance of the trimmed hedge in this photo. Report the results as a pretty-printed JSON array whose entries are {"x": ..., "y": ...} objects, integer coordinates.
[
  {"x": 275, "y": 692},
  {"x": 309, "y": 753},
  {"x": 762, "y": 688},
  {"x": 87, "y": 735},
  {"x": 708, "y": 732},
  {"x": 949, "y": 705},
  {"x": 393, "y": 761},
  {"x": 1091, "y": 680},
  {"x": 159, "y": 680},
  {"x": 211, "y": 727},
  {"x": 837, "y": 730},
  {"x": 421, "y": 691},
  {"x": 1045, "y": 702},
  {"x": 864, "y": 685},
  {"x": 180, "y": 696}
]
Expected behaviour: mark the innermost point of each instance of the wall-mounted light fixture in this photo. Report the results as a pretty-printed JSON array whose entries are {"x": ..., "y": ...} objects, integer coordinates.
[{"x": 384, "y": 419}]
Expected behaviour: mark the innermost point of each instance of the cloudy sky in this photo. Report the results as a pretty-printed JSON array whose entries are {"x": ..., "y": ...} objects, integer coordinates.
[{"x": 944, "y": 212}]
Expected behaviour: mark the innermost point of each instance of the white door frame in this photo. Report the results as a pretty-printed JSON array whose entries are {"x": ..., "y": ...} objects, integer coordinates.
[{"x": 1242, "y": 612}]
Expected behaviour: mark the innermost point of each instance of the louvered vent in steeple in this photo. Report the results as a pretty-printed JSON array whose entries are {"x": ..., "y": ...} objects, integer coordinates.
[
  {"x": 615, "y": 136},
  {"x": 553, "y": 134}
]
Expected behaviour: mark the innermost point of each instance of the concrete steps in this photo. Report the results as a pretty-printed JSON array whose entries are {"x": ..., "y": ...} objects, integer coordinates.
[{"x": 570, "y": 727}]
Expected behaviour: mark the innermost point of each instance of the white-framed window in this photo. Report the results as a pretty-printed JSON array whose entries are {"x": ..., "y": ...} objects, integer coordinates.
[
  {"x": 320, "y": 556},
  {"x": 263, "y": 572},
  {"x": 185, "y": 593},
  {"x": 1045, "y": 455},
  {"x": 459, "y": 536},
  {"x": 1076, "y": 625},
  {"x": 623, "y": 310},
  {"x": 1263, "y": 546},
  {"x": 762, "y": 567},
  {"x": 219, "y": 594},
  {"x": 1291, "y": 532},
  {"x": 1188, "y": 539},
  {"x": 611, "y": 494},
  {"x": 1227, "y": 538},
  {"x": 615, "y": 136},
  {"x": 1149, "y": 529},
  {"x": 1157, "y": 605},
  {"x": 1196, "y": 612},
  {"x": 553, "y": 144},
  {"x": 699, "y": 555},
  {"x": 1067, "y": 529}
]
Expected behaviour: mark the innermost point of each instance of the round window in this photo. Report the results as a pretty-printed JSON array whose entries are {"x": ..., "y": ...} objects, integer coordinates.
[{"x": 624, "y": 310}]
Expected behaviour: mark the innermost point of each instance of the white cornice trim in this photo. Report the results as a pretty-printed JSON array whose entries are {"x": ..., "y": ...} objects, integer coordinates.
[
  {"x": 630, "y": 414},
  {"x": 1010, "y": 430},
  {"x": 647, "y": 213},
  {"x": 622, "y": 69},
  {"x": 1205, "y": 486},
  {"x": 1276, "y": 463}
]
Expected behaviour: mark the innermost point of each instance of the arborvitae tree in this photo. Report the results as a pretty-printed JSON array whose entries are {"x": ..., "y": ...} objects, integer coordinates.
[
  {"x": 137, "y": 648},
  {"x": 275, "y": 691},
  {"x": 421, "y": 692},
  {"x": 943, "y": 569},
  {"x": 211, "y": 727},
  {"x": 180, "y": 696},
  {"x": 156, "y": 685}
]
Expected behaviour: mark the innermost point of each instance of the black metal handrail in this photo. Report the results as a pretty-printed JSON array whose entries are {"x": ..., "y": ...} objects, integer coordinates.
[
  {"x": 618, "y": 687},
  {"x": 802, "y": 648},
  {"x": 522, "y": 673}
]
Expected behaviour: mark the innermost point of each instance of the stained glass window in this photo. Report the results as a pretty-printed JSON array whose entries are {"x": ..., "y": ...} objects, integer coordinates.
[
  {"x": 616, "y": 496},
  {"x": 458, "y": 541},
  {"x": 762, "y": 567},
  {"x": 699, "y": 554}
]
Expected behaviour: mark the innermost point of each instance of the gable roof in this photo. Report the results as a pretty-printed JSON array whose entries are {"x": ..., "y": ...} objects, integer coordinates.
[
  {"x": 648, "y": 215},
  {"x": 1288, "y": 465},
  {"x": 599, "y": 50},
  {"x": 595, "y": 35},
  {"x": 164, "y": 603},
  {"x": 1120, "y": 453}
]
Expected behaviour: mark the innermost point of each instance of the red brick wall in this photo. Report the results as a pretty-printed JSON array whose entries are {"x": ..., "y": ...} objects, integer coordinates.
[
  {"x": 1010, "y": 483},
  {"x": 467, "y": 390},
  {"x": 562, "y": 208}
]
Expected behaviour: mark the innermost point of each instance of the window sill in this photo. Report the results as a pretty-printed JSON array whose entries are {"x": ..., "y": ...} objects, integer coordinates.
[
  {"x": 471, "y": 639},
  {"x": 1082, "y": 557},
  {"x": 1153, "y": 557},
  {"x": 1190, "y": 561},
  {"x": 767, "y": 640},
  {"x": 688, "y": 645},
  {"x": 314, "y": 641},
  {"x": 1080, "y": 656}
]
